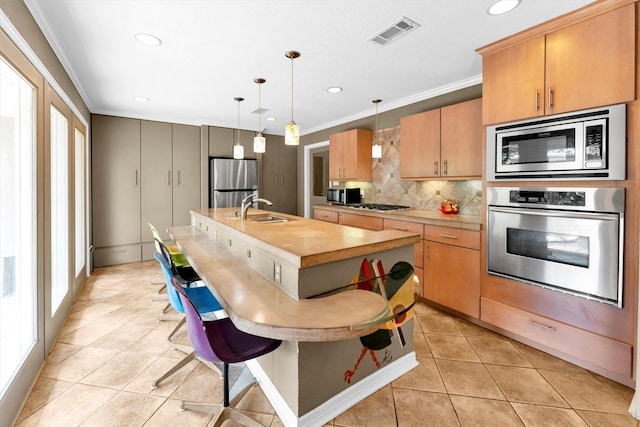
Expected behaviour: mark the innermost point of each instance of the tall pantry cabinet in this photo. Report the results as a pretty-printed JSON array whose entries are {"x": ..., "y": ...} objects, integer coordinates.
[{"x": 142, "y": 172}]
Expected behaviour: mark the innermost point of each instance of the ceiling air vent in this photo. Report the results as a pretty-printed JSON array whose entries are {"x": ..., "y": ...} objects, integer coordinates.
[{"x": 398, "y": 29}]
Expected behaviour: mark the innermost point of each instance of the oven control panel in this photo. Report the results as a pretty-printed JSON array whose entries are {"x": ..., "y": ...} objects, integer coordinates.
[{"x": 544, "y": 197}]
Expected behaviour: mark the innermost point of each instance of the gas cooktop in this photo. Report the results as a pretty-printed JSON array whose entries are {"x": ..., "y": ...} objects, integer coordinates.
[{"x": 377, "y": 207}]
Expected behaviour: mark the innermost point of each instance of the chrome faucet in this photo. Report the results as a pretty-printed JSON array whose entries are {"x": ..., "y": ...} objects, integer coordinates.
[{"x": 247, "y": 201}]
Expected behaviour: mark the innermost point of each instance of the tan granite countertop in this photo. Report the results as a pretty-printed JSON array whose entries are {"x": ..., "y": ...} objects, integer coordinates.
[
  {"x": 307, "y": 242},
  {"x": 466, "y": 222}
]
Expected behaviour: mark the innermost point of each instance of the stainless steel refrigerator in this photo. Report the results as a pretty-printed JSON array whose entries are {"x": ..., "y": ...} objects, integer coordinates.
[{"x": 231, "y": 180}]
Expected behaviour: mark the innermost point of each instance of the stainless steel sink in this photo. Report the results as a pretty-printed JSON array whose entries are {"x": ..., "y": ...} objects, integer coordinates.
[{"x": 267, "y": 218}]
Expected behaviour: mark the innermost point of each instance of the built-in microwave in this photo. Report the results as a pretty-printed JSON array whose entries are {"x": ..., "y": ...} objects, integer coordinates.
[
  {"x": 583, "y": 145},
  {"x": 343, "y": 196}
]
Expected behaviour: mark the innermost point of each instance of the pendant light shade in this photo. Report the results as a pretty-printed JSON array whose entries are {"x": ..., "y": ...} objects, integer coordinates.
[
  {"x": 292, "y": 130},
  {"x": 238, "y": 150},
  {"x": 259, "y": 141},
  {"x": 376, "y": 149}
]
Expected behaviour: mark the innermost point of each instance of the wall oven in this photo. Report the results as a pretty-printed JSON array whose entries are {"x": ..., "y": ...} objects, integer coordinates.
[
  {"x": 589, "y": 144},
  {"x": 565, "y": 239}
]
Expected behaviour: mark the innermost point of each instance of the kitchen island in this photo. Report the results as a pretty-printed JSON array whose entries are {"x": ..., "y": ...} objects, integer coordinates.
[{"x": 277, "y": 277}]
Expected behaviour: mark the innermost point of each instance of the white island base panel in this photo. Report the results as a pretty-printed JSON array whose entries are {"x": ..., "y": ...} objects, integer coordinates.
[{"x": 338, "y": 403}]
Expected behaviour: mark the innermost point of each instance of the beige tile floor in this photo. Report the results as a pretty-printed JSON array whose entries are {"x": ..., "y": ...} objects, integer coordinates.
[{"x": 112, "y": 347}]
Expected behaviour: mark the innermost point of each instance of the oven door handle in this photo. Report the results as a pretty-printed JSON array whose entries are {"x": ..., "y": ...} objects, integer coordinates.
[{"x": 558, "y": 214}]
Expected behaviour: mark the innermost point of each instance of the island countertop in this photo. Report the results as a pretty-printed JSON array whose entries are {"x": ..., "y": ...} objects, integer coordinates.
[{"x": 307, "y": 242}]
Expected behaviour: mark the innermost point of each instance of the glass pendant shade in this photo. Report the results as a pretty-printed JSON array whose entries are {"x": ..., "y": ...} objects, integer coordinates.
[
  {"x": 376, "y": 151},
  {"x": 259, "y": 143},
  {"x": 292, "y": 130},
  {"x": 292, "y": 134},
  {"x": 238, "y": 152}
]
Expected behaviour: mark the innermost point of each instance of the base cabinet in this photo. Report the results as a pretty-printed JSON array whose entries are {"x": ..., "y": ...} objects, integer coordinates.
[
  {"x": 325, "y": 215},
  {"x": 594, "y": 349},
  {"x": 360, "y": 221},
  {"x": 452, "y": 269}
]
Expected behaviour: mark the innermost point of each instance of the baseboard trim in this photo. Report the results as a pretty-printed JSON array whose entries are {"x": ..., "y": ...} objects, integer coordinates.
[{"x": 338, "y": 403}]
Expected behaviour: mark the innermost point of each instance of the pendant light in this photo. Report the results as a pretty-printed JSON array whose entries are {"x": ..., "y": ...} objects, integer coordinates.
[
  {"x": 259, "y": 141},
  {"x": 376, "y": 149},
  {"x": 292, "y": 130},
  {"x": 238, "y": 150}
]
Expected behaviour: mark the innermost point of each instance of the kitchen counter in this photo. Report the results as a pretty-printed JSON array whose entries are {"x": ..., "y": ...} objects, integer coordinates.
[
  {"x": 304, "y": 242},
  {"x": 289, "y": 280},
  {"x": 257, "y": 306},
  {"x": 465, "y": 222}
]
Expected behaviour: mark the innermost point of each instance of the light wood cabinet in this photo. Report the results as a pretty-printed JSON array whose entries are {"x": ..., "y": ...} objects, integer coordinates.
[
  {"x": 142, "y": 171},
  {"x": 587, "y": 64},
  {"x": 442, "y": 143},
  {"x": 360, "y": 221},
  {"x": 325, "y": 215},
  {"x": 418, "y": 248},
  {"x": 595, "y": 349},
  {"x": 461, "y": 139},
  {"x": 279, "y": 176},
  {"x": 452, "y": 268},
  {"x": 350, "y": 156}
]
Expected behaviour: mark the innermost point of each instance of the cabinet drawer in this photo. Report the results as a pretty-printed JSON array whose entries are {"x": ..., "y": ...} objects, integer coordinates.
[
  {"x": 412, "y": 227},
  {"x": 453, "y": 236},
  {"x": 360, "y": 221},
  {"x": 113, "y": 255},
  {"x": 610, "y": 354},
  {"x": 329, "y": 216}
]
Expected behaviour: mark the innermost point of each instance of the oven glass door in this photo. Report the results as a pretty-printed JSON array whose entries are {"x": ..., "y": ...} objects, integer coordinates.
[
  {"x": 540, "y": 149},
  {"x": 575, "y": 252}
]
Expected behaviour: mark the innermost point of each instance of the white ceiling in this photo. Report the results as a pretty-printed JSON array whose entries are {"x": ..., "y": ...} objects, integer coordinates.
[{"x": 213, "y": 49}]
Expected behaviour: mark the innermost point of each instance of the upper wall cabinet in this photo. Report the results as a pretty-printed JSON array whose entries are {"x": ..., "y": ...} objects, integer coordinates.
[
  {"x": 445, "y": 143},
  {"x": 222, "y": 140},
  {"x": 587, "y": 64},
  {"x": 278, "y": 182},
  {"x": 350, "y": 156}
]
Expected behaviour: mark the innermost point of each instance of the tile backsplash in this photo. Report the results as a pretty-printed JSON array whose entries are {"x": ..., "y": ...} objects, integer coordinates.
[{"x": 386, "y": 186}]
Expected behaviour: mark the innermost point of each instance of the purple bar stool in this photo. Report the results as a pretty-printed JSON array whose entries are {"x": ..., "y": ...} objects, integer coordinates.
[{"x": 220, "y": 341}]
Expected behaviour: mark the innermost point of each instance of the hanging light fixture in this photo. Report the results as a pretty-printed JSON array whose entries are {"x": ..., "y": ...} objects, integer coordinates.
[
  {"x": 376, "y": 149},
  {"x": 292, "y": 130},
  {"x": 238, "y": 150},
  {"x": 259, "y": 141}
]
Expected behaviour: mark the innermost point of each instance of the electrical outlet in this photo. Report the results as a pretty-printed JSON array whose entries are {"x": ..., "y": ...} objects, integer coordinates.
[{"x": 277, "y": 273}]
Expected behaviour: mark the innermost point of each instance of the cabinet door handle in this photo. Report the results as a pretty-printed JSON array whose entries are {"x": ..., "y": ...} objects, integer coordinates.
[
  {"x": 401, "y": 228},
  {"x": 448, "y": 236},
  {"x": 178, "y": 177},
  {"x": 550, "y": 98},
  {"x": 169, "y": 177},
  {"x": 540, "y": 325},
  {"x": 435, "y": 168},
  {"x": 445, "y": 170},
  {"x": 136, "y": 177},
  {"x": 537, "y": 100}
]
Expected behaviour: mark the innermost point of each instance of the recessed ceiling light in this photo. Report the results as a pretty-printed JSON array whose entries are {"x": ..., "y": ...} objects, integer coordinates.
[
  {"x": 271, "y": 119},
  {"x": 503, "y": 6},
  {"x": 334, "y": 89},
  {"x": 148, "y": 39},
  {"x": 141, "y": 99}
]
